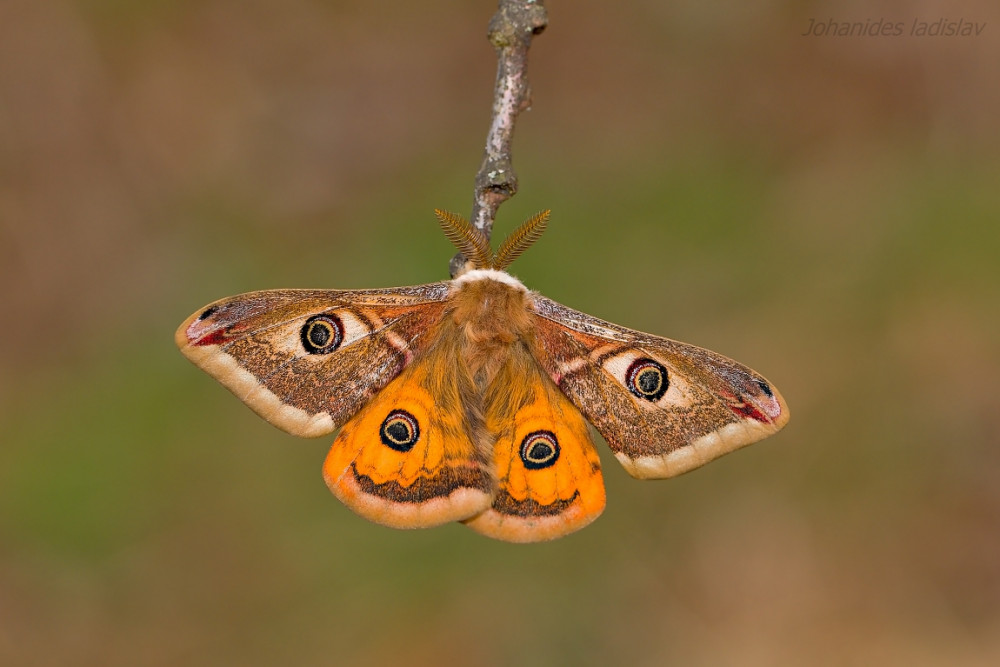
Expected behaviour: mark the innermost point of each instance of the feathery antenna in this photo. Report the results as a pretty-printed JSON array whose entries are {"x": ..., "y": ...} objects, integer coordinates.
[
  {"x": 466, "y": 238},
  {"x": 519, "y": 240}
]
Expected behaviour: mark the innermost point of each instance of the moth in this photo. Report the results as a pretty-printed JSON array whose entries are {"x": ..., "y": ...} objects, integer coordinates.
[{"x": 468, "y": 400}]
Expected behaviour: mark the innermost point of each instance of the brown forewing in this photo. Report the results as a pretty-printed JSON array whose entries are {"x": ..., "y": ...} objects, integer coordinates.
[
  {"x": 715, "y": 403},
  {"x": 252, "y": 344}
]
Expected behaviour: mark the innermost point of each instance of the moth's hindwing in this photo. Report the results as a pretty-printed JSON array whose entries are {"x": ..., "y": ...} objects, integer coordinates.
[
  {"x": 548, "y": 472},
  {"x": 306, "y": 360},
  {"x": 664, "y": 407},
  {"x": 408, "y": 460}
]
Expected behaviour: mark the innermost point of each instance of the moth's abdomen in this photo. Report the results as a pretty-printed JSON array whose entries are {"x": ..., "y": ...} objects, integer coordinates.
[{"x": 491, "y": 315}]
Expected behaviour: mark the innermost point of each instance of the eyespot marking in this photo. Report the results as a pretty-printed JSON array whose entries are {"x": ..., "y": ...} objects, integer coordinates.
[
  {"x": 322, "y": 334},
  {"x": 766, "y": 388},
  {"x": 539, "y": 449},
  {"x": 400, "y": 431},
  {"x": 647, "y": 379}
]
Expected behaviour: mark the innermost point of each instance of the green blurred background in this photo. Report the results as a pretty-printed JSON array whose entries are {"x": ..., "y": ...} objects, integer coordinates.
[{"x": 825, "y": 210}]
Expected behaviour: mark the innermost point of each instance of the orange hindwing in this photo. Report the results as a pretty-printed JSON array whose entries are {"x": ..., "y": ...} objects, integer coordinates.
[
  {"x": 406, "y": 460},
  {"x": 548, "y": 472}
]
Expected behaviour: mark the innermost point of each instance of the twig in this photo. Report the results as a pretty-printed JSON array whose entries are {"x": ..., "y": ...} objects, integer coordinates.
[{"x": 510, "y": 31}]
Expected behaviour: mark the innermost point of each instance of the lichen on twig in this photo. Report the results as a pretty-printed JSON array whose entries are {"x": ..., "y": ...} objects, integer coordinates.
[{"x": 510, "y": 31}]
